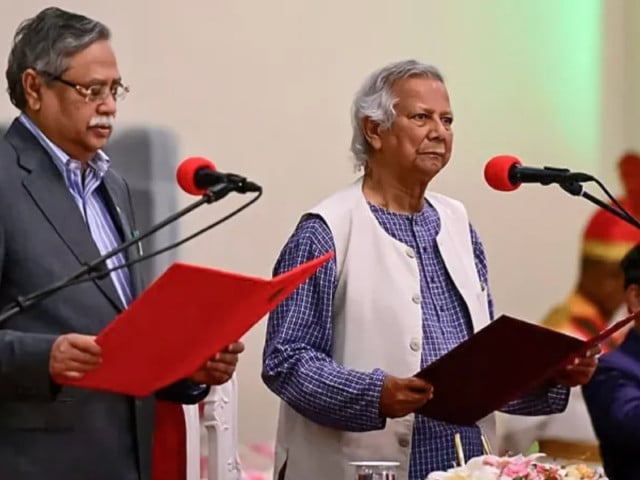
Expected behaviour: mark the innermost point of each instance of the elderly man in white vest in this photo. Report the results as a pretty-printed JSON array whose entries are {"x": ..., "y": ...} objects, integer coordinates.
[{"x": 408, "y": 283}]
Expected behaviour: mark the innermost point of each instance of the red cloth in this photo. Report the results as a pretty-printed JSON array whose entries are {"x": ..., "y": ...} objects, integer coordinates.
[{"x": 169, "y": 454}]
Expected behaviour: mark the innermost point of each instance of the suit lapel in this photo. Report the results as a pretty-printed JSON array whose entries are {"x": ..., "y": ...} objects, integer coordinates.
[
  {"x": 47, "y": 187},
  {"x": 116, "y": 198}
]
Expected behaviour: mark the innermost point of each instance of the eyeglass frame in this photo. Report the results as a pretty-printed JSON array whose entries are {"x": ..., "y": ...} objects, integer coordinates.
[{"x": 86, "y": 91}]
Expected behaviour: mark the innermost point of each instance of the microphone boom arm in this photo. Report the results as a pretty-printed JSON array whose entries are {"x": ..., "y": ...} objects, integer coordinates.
[
  {"x": 213, "y": 194},
  {"x": 576, "y": 189}
]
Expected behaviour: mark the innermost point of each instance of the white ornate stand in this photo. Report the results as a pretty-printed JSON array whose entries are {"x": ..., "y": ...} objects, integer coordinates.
[{"x": 220, "y": 421}]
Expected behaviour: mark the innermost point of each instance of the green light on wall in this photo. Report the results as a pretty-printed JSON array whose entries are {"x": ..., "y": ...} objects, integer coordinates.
[{"x": 570, "y": 82}]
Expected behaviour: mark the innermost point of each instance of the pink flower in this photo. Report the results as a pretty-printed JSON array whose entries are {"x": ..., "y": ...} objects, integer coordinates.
[
  {"x": 515, "y": 470},
  {"x": 490, "y": 467}
]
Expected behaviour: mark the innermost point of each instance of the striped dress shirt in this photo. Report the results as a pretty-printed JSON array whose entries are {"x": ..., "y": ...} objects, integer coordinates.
[{"x": 84, "y": 189}]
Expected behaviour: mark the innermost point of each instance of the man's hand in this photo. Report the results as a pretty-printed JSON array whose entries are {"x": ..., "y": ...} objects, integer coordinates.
[
  {"x": 72, "y": 355},
  {"x": 402, "y": 396},
  {"x": 580, "y": 370},
  {"x": 219, "y": 368}
]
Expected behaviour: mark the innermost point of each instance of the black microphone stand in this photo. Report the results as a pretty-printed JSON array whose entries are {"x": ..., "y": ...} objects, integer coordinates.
[
  {"x": 577, "y": 189},
  {"x": 213, "y": 194}
]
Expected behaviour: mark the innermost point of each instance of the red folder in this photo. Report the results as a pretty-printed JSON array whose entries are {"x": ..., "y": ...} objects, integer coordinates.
[
  {"x": 186, "y": 316},
  {"x": 501, "y": 362}
]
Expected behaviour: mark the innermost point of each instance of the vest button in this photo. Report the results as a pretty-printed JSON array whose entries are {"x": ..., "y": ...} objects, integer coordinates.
[
  {"x": 411, "y": 253},
  {"x": 404, "y": 442},
  {"x": 416, "y": 298},
  {"x": 414, "y": 344}
]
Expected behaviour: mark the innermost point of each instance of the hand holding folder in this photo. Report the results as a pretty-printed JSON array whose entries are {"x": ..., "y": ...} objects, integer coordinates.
[
  {"x": 501, "y": 362},
  {"x": 187, "y": 315}
]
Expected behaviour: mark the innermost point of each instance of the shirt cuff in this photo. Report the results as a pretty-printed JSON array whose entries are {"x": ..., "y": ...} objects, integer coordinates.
[{"x": 374, "y": 393}]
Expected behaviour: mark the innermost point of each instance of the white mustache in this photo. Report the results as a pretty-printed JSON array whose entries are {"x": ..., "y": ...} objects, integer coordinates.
[{"x": 102, "y": 121}]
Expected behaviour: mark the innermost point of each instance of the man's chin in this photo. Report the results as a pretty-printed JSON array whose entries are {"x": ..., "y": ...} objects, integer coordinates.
[
  {"x": 98, "y": 143},
  {"x": 431, "y": 166}
]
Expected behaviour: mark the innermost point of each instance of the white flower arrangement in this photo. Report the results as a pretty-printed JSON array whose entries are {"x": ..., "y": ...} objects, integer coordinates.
[{"x": 492, "y": 467}]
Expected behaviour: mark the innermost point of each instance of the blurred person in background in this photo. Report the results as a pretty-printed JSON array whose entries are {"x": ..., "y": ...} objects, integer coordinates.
[{"x": 613, "y": 394}]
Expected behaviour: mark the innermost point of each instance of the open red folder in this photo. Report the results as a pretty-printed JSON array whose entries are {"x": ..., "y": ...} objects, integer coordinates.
[
  {"x": 186, "y": 316},
  {"x": 501, "y": 362}
]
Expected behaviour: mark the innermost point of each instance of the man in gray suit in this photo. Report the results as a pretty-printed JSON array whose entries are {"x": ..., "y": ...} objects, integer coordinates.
[{"x": 61, "y": 206}]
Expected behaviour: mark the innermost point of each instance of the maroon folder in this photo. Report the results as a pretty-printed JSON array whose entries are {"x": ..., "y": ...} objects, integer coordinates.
[
  {"x": 501, "y": 362},
  {"x": 186, "y": 316}
]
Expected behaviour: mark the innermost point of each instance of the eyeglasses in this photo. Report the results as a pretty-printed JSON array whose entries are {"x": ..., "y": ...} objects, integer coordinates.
[{"x": 94, "y": 93}]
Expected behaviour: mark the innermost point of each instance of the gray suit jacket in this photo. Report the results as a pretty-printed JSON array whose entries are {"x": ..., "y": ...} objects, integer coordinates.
[{"x": 47, "y": 432}]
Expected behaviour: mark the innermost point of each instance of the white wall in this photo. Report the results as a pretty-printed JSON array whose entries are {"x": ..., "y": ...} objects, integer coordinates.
[{"x": 263, "y": 88}]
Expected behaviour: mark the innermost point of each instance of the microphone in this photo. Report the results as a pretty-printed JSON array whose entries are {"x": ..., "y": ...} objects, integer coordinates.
[
  {"x": 97, "y": 269},
  {"x": 196, "y": 175},
  {"x": 506, "y": 173}
]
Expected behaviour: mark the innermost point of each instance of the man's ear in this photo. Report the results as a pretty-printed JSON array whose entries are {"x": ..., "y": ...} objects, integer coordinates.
[
  {"x": 32, "y": 85},
  {"x": 632, "y": 298},
  {"x": 371, "y": 130}
]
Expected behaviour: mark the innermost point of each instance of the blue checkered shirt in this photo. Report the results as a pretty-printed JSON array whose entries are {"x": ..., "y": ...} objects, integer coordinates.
[
  {"x": 297, "y": 363},
  {"x": 84, "y": 189}
]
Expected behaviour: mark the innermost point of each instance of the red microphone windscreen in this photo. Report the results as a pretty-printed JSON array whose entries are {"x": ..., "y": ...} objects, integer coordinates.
[
  {"x": 185, "y": 174},
  {"x": 496, "y": 172}
]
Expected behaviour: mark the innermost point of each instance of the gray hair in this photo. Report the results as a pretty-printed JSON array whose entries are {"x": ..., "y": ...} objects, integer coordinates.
[
  {"x": 45, "y": 43},
  {"x": 374, "y": 100}
]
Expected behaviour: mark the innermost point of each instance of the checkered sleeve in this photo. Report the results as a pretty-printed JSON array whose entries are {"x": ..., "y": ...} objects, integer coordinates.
[
  {"x": 297, "y": 357},
  {"x": 540, "y": 402},
  {"x": 544, "y": 401}
]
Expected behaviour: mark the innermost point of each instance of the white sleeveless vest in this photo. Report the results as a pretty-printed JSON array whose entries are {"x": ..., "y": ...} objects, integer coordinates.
[{"x": 377, "y": 323}]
